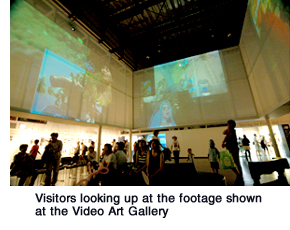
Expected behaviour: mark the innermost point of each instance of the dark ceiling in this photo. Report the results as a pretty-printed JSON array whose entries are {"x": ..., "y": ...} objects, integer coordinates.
[{"x": 150, "y": 32}]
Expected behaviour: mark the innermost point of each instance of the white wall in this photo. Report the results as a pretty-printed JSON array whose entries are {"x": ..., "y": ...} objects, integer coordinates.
[{"x": 196, "y": 139}]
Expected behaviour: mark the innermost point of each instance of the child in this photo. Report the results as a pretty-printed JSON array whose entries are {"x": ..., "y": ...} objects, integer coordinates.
[
  {"x": 213, "y": 155},
  {"x": 190, "y": 158},
  {"x": 175, "y": 148}
]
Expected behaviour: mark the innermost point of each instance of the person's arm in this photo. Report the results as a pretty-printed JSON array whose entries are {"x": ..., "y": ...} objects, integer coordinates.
[
  {"x": 38, "y": 150},
  {"x": 142, "y": 168},
  {"x": 147, "y": 163},
  {"x": 224, "y": 141},
  {"x": 112, "y": 159},
  {"x": 136, "y": 158},
  {"x": 59, "y": 146}
]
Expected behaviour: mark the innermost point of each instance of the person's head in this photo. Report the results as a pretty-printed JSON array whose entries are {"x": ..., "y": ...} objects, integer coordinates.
[
  {"x": 120, "y": 145},
  {"x": 255, "y": 134},
  {"x": 174, "y": 138},
  {"x": 82, "y": 143},
  {"x": 114, "y": 140},
  {"x": 78, "y": 142},
  {"x": 244, "y": 136},
  {"x": 154, "y": 144},
  {"x": 211, "y": 143},
  {"x": 23, "y": 148},
  {"x": 36, "y": 141},
  {"x": 91, "y": 149},
  {"x": 231, "y": 124},
  {"x": 142, "y": 143},
  {"x": 54, "y": 136},
  {"x": 108, "y": 148},
  {"x": 166, "y": 111},
  {"x": 189, "y": 150},
  {"x": 155, "y": 132},
  {"x": 106, "y": 75}
]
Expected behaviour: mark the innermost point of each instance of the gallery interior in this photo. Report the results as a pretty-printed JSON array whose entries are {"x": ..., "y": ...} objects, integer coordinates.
[{"x": 103, "y": 70}]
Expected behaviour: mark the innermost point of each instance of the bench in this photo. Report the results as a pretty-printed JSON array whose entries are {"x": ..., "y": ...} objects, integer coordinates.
[{"x": 257, "y": 168}]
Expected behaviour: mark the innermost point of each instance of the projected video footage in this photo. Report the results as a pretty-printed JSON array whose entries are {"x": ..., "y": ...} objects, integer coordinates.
[
  {"x": 60, "y": 90},
  {"x": 266, "y": 12},
  {"x": 73, "y": 82},
  {"x": 178, "y": 85}
]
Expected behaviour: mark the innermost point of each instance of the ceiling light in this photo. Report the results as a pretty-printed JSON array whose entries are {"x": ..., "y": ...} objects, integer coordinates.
[
  {"x": 72, "y": 28},
  {"x": 229, "y": 34},
  {"x": 147, "y": 57}
]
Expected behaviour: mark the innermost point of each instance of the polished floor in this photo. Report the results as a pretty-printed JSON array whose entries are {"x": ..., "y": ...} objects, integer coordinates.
[{"x": 203, "y": 165}]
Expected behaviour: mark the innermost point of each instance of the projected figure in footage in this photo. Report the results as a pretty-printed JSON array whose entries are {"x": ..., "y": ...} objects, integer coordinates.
[
  {"x": 163, "y": 117},
  {"x": 81, "y": 95}
]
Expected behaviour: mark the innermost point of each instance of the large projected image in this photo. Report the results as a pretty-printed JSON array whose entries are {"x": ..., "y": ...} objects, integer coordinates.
[
  {"x": 73, "y": 81},
  {"x": 266, "y": 12},
  {"x": 177, "y": 87},
  {"x": 67, "y": 90}
]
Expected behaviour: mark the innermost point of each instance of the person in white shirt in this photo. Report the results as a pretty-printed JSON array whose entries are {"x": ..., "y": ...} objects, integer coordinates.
[{"x": 175, "y": 148}]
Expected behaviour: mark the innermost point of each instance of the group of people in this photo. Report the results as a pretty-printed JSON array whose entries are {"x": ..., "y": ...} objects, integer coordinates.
[
  {"x": 244, "y": 146},
  {"x": 23, "y": 164},
  {"x": 230, "y": 142},
  {"x": 149, "y": 158}
]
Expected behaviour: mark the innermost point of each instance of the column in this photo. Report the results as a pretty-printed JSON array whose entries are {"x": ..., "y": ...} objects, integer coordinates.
[
  {"x": 99, "y": 142},
  {"x": 130, "y": 145},
  {"x": 272, "y": 136}
]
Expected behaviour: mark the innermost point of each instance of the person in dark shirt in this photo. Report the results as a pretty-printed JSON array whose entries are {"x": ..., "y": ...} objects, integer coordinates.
[
  {"x": 22, "y": 166},
  {"x": 231, "y": 143},
  {"x": 246, "y": 146}
]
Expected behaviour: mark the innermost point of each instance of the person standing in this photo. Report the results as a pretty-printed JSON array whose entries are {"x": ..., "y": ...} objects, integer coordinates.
[
  {"x": 53, "y": 163},
  {"x": 231, "y": 143},
  {"x": 83, "y": 150},
  {"x": 190, "y": 159},
  {"x": 257, "y": 145},
  {"x": 76, "y": 153},
  {"x": 114, "y": 145},
  {"x": 213, "y": 155},
  {"x": 155, "y": 135},
  {"x": 175, "y": 148},
  {"x": 246, "y": 146},
  {"x": 264, "y": 145},
  {"x": 34, "y": 150}
]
